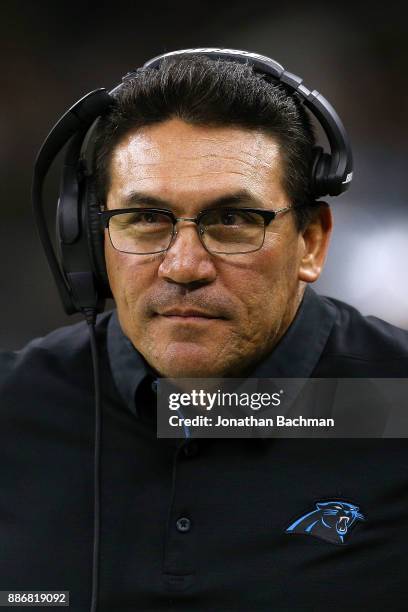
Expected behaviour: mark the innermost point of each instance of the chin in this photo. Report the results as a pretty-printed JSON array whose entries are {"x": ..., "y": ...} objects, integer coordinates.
[{"x": 187, "y": 360}]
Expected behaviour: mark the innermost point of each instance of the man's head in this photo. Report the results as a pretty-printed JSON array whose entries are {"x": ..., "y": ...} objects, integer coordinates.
[{"x": 193, "y": 135}]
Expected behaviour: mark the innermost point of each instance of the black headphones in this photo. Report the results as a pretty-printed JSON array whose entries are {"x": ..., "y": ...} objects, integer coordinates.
[{"x": 79, "y": 266}]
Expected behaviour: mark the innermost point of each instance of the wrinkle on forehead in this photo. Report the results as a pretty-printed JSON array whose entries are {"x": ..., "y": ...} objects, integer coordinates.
[
  {"x": 154, "y": 145},
  {"x": 252, "y": 160}
]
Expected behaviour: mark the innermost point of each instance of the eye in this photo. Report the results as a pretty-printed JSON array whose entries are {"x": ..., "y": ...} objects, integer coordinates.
[
  {"x": 240, "y": 217},
  {"x": 146, "y": 217},
  {"x": 143, "y": 221},
  {"x": 229, "y": 218},
  {"x": 232, "y": 218},
  {"x": 155, "y": 218}
]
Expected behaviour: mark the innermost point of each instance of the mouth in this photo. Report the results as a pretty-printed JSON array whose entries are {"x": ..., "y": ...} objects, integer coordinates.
[
  {"x": 188, "y": 320},
  {"x": 342, "y": 524},
  {"x": 189, "y": 315}
]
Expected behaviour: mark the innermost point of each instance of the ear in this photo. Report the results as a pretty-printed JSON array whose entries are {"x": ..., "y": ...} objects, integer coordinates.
[{"x": 315, "y": 240}]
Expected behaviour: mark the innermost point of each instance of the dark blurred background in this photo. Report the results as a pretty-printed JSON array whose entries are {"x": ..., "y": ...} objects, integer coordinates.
[{"x": 355, "y": 54}]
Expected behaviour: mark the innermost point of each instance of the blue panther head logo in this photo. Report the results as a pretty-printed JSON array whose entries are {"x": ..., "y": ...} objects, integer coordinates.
[{"x": 331, "y": 521}]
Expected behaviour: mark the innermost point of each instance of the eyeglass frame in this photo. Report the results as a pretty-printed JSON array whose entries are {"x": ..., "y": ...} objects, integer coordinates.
[{"x": 267, "y": 215}]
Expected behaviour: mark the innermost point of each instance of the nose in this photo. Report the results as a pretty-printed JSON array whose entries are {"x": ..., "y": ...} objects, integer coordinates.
[{"x": 187, "y": 262}]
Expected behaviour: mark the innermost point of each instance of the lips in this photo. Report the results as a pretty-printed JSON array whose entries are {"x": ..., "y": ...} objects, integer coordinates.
[{"x": 187, "y": 313}]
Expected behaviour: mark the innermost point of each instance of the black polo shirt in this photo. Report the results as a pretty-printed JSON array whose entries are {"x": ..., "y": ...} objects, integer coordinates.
[{"x": 199, "y": 525}]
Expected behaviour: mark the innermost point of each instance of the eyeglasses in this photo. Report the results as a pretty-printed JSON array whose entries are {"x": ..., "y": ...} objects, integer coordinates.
[{"x": 145, "y": 231}]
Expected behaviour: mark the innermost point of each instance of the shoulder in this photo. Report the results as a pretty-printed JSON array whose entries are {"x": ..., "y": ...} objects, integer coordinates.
[
  {"x": 63, "y": 354},
  {"x": 364, "y": 345}
]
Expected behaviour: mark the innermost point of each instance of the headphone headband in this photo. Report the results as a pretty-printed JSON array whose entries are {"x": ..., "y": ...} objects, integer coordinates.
[{"x": 259, "y": 62}]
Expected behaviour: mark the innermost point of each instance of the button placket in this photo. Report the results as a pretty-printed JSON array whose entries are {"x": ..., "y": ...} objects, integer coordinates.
[{"x": 180, "y": 546}]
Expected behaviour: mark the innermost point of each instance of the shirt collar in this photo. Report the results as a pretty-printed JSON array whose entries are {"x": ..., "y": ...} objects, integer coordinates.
[
  {"x": 128, "y": 366},
  {"x": 295, "y": 356}
]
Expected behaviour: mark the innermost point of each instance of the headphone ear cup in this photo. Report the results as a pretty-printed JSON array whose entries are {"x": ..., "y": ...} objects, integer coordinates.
[
  {"x": 96, "y": 240},
  {"x": 320, "y": 170}
]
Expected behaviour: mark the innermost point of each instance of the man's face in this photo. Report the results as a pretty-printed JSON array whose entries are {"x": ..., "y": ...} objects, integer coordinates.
[{"x": 250, "y": 299}]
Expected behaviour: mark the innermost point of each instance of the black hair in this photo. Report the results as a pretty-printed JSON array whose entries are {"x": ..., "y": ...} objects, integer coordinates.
[{"x": 203, "y": 91}]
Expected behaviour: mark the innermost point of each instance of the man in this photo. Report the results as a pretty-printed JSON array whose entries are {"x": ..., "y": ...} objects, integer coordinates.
[{"x": 203, "y": 524}]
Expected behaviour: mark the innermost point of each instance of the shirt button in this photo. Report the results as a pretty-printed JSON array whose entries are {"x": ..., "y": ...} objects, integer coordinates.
[
  {"x": 183, "y": 524},
  {"x": 191, "y": 449},
  {"x": 154, "y": 386}
]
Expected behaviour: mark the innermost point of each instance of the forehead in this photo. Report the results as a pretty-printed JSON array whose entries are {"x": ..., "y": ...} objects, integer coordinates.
[{"x": 179, "y": 162}]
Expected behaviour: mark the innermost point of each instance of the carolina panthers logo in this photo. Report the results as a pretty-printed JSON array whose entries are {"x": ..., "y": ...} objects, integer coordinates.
[{"x": 331, "y": 521}]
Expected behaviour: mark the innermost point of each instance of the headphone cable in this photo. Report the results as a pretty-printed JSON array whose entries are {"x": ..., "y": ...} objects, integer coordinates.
[{"x": 90, "y": 316}]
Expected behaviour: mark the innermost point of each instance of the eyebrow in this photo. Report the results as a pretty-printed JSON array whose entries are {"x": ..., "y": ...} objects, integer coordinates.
[{"x": 238, "y": 198}]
